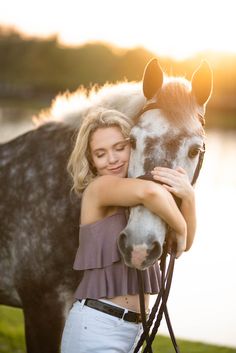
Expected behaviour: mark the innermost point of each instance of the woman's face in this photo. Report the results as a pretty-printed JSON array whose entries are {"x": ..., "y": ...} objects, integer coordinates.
[{"x": 110, "y": 151}]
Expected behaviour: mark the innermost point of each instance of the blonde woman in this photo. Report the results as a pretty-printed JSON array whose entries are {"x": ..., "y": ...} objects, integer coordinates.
[{"x": 106, "y": 314}]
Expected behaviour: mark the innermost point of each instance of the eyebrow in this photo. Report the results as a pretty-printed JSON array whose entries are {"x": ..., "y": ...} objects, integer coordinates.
[{"x": 126, "y": 140}]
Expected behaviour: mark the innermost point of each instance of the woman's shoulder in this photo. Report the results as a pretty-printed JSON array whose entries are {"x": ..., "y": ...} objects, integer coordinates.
[{"x": 92, "y": 209}]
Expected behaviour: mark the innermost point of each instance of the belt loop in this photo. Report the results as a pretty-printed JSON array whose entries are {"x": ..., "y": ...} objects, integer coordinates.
[
  {"x": 82, "y": 303},
  {"x": 125, "y": 312}
]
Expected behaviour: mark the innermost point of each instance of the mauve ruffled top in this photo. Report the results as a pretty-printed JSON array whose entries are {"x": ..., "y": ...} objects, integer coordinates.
[{"x": 105, "y": 273}]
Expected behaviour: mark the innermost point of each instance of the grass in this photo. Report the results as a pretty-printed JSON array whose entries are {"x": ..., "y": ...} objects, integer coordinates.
[
  {"x": 12, "y": 337},
  {"x": 11, "y": 330}
]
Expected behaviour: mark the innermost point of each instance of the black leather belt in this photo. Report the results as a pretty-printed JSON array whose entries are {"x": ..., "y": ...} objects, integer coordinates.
[{"x": 113, "y": 310}]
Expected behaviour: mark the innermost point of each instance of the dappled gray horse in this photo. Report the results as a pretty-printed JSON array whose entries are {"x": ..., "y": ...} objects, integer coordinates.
[
  {"x": 39, "y": 216},
  {"x": 168, "y": 132}
]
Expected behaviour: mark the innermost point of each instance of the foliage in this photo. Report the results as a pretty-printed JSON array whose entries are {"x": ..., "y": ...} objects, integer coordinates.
[{"x": 34, "y": 67}]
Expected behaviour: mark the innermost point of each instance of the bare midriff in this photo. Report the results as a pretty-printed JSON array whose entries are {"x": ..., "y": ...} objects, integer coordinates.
[{"x": 130, "y": 302}]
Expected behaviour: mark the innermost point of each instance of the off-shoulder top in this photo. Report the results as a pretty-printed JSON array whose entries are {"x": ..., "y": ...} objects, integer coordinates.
[{"x": 105, "y": 273}]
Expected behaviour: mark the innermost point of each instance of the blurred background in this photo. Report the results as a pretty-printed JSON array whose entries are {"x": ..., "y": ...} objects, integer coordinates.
[{"x": 50, "y": 47}]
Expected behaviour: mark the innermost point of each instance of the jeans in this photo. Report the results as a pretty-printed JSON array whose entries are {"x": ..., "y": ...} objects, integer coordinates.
[{"x": 91, "y": 331}]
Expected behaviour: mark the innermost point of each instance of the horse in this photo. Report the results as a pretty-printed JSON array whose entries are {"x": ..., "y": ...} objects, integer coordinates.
[
  {"x": 39, "y": 216},
  {"x": 168, "y": 132}
]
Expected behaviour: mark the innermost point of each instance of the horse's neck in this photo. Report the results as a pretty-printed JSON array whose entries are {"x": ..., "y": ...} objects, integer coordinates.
[
  {"x": 127, "y": 98},
  {"x": 124, "y": 97}
]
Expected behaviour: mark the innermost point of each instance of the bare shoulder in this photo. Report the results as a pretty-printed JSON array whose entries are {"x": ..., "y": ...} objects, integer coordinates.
[{"x": 101, "y": 198}]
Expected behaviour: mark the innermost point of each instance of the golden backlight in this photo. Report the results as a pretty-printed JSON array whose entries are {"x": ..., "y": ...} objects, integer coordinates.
[{"x": 173, "y": 28}]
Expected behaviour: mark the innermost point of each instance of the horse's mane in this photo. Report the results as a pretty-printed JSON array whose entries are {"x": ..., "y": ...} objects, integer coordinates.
[
  {"x": 174, "y": 98},
  {"x": 178, "y": 103},
  {"x": 70, "y": 108}
]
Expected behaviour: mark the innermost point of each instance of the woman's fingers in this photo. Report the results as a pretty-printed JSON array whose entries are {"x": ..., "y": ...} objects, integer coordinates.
[
  {"x": 181, "y": 245},
  {"x": 168, "y": 178},
  {"x": 165, "y": 176},
  {"x": 175, "y": 181},
  {"x": 180, "y": 241}
]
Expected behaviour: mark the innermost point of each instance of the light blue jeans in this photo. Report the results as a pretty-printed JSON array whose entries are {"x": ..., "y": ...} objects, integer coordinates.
[{"x": 91, "y": 331}]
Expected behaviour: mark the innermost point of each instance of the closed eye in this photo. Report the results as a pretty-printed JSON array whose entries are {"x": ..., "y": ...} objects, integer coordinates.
[
  {"x": 121, "y": 147},
  {"x": 100, "y": 155}
]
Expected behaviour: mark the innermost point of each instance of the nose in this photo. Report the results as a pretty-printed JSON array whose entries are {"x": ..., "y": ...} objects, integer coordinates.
[
  {"x": 112, "y": 157},
  {"x": 155, "y": 252},
  {"x": 122, "y": 243},
  {"x": 139, "y": 256}
]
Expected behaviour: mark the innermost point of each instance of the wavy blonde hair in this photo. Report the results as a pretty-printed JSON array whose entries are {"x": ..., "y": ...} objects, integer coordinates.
[{"x": 80, "y": 163}]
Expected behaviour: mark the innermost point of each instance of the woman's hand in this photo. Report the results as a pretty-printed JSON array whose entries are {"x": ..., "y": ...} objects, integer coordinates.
[
  {"x": 179, "y": 240},
  {"x": 175, "y": 181}
]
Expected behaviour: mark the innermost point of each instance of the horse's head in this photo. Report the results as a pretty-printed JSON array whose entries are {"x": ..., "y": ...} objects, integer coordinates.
[{"x": 168, "y": 132}]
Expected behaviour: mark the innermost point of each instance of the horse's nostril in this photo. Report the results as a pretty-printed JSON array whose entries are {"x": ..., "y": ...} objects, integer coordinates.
[
  {"x": 156, "y": 250},
  {"x": 122, "y": 241}
]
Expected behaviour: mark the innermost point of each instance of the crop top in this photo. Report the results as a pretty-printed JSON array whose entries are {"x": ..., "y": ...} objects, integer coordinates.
[{"x": 105, "y": 273}]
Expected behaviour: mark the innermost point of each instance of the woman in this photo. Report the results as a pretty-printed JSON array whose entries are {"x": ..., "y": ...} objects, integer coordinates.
[{"x": 106, "y": 314}]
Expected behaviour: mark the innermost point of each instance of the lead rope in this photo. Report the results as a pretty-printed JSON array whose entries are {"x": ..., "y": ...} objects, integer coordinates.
[
  {"x": 142, "y": 306},
  {"x": 164, "y": 282}
]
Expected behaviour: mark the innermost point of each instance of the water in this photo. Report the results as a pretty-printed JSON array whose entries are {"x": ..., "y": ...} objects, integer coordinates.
[
  {"x": 8, "y": 126},
  {"x": 202, "y": 302}
]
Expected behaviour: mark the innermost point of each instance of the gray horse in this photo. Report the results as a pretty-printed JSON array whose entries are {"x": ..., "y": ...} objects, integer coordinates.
[{"x": 39, "y": 216}]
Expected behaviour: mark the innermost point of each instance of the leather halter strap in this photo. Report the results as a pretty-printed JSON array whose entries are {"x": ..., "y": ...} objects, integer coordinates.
[
  {"x": 155, "y": 105},
  {"x": 199, "y": 164}
]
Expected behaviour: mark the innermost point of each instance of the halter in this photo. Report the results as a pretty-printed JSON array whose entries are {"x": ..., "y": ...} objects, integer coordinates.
[{"x": 164, "y": 274}]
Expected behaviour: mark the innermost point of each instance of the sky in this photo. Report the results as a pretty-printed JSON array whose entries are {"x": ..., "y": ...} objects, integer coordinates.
[{"x": 175, "y": 28}]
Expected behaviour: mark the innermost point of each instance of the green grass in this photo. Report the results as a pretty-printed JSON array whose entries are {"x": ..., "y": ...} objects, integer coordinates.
[
  {"x": 163, "y": 345},
  {"x": 12, "y": 337},
  {"x": 11, "y": 330}
]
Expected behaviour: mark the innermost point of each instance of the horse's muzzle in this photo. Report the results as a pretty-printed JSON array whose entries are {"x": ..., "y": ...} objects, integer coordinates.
[{"x": 139, "y": 256}]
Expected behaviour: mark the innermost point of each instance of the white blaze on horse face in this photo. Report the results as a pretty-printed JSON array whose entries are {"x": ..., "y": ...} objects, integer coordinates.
[
  {"x": 147, "y": 127},
  {"x": 157, "y": 143}
]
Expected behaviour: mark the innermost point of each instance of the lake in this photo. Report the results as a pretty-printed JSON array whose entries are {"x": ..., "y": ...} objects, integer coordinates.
[{"x": 202, "y": 302}]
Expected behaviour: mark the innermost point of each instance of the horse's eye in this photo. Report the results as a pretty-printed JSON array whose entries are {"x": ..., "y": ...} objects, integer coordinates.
[
  {"x": 133, "y": 142},
  {"x": 193, "y": 152}
]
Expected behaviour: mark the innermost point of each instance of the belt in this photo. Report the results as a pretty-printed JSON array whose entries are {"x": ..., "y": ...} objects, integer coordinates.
[{"x": 113, "y": 310}]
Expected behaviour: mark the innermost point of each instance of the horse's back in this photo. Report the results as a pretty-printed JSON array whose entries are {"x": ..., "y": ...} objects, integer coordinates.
[{"x": 39, "y": 216}]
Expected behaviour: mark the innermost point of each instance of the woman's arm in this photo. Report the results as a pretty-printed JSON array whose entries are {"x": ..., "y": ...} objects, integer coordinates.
[
  {"x": 177, "y": 182},
  {"x": 106, "y": 191}
]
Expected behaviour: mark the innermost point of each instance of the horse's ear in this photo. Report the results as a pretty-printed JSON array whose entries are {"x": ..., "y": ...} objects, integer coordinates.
[
  {"x": 202, "y": 83},
  {"x": 152, "y": 78}
]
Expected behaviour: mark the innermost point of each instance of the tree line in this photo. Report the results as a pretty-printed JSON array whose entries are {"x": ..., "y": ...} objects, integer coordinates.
[{"x": 37, "y": 68}]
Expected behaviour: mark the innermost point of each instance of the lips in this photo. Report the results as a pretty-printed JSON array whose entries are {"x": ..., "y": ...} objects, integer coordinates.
[{"x": 116, "y": 169}]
